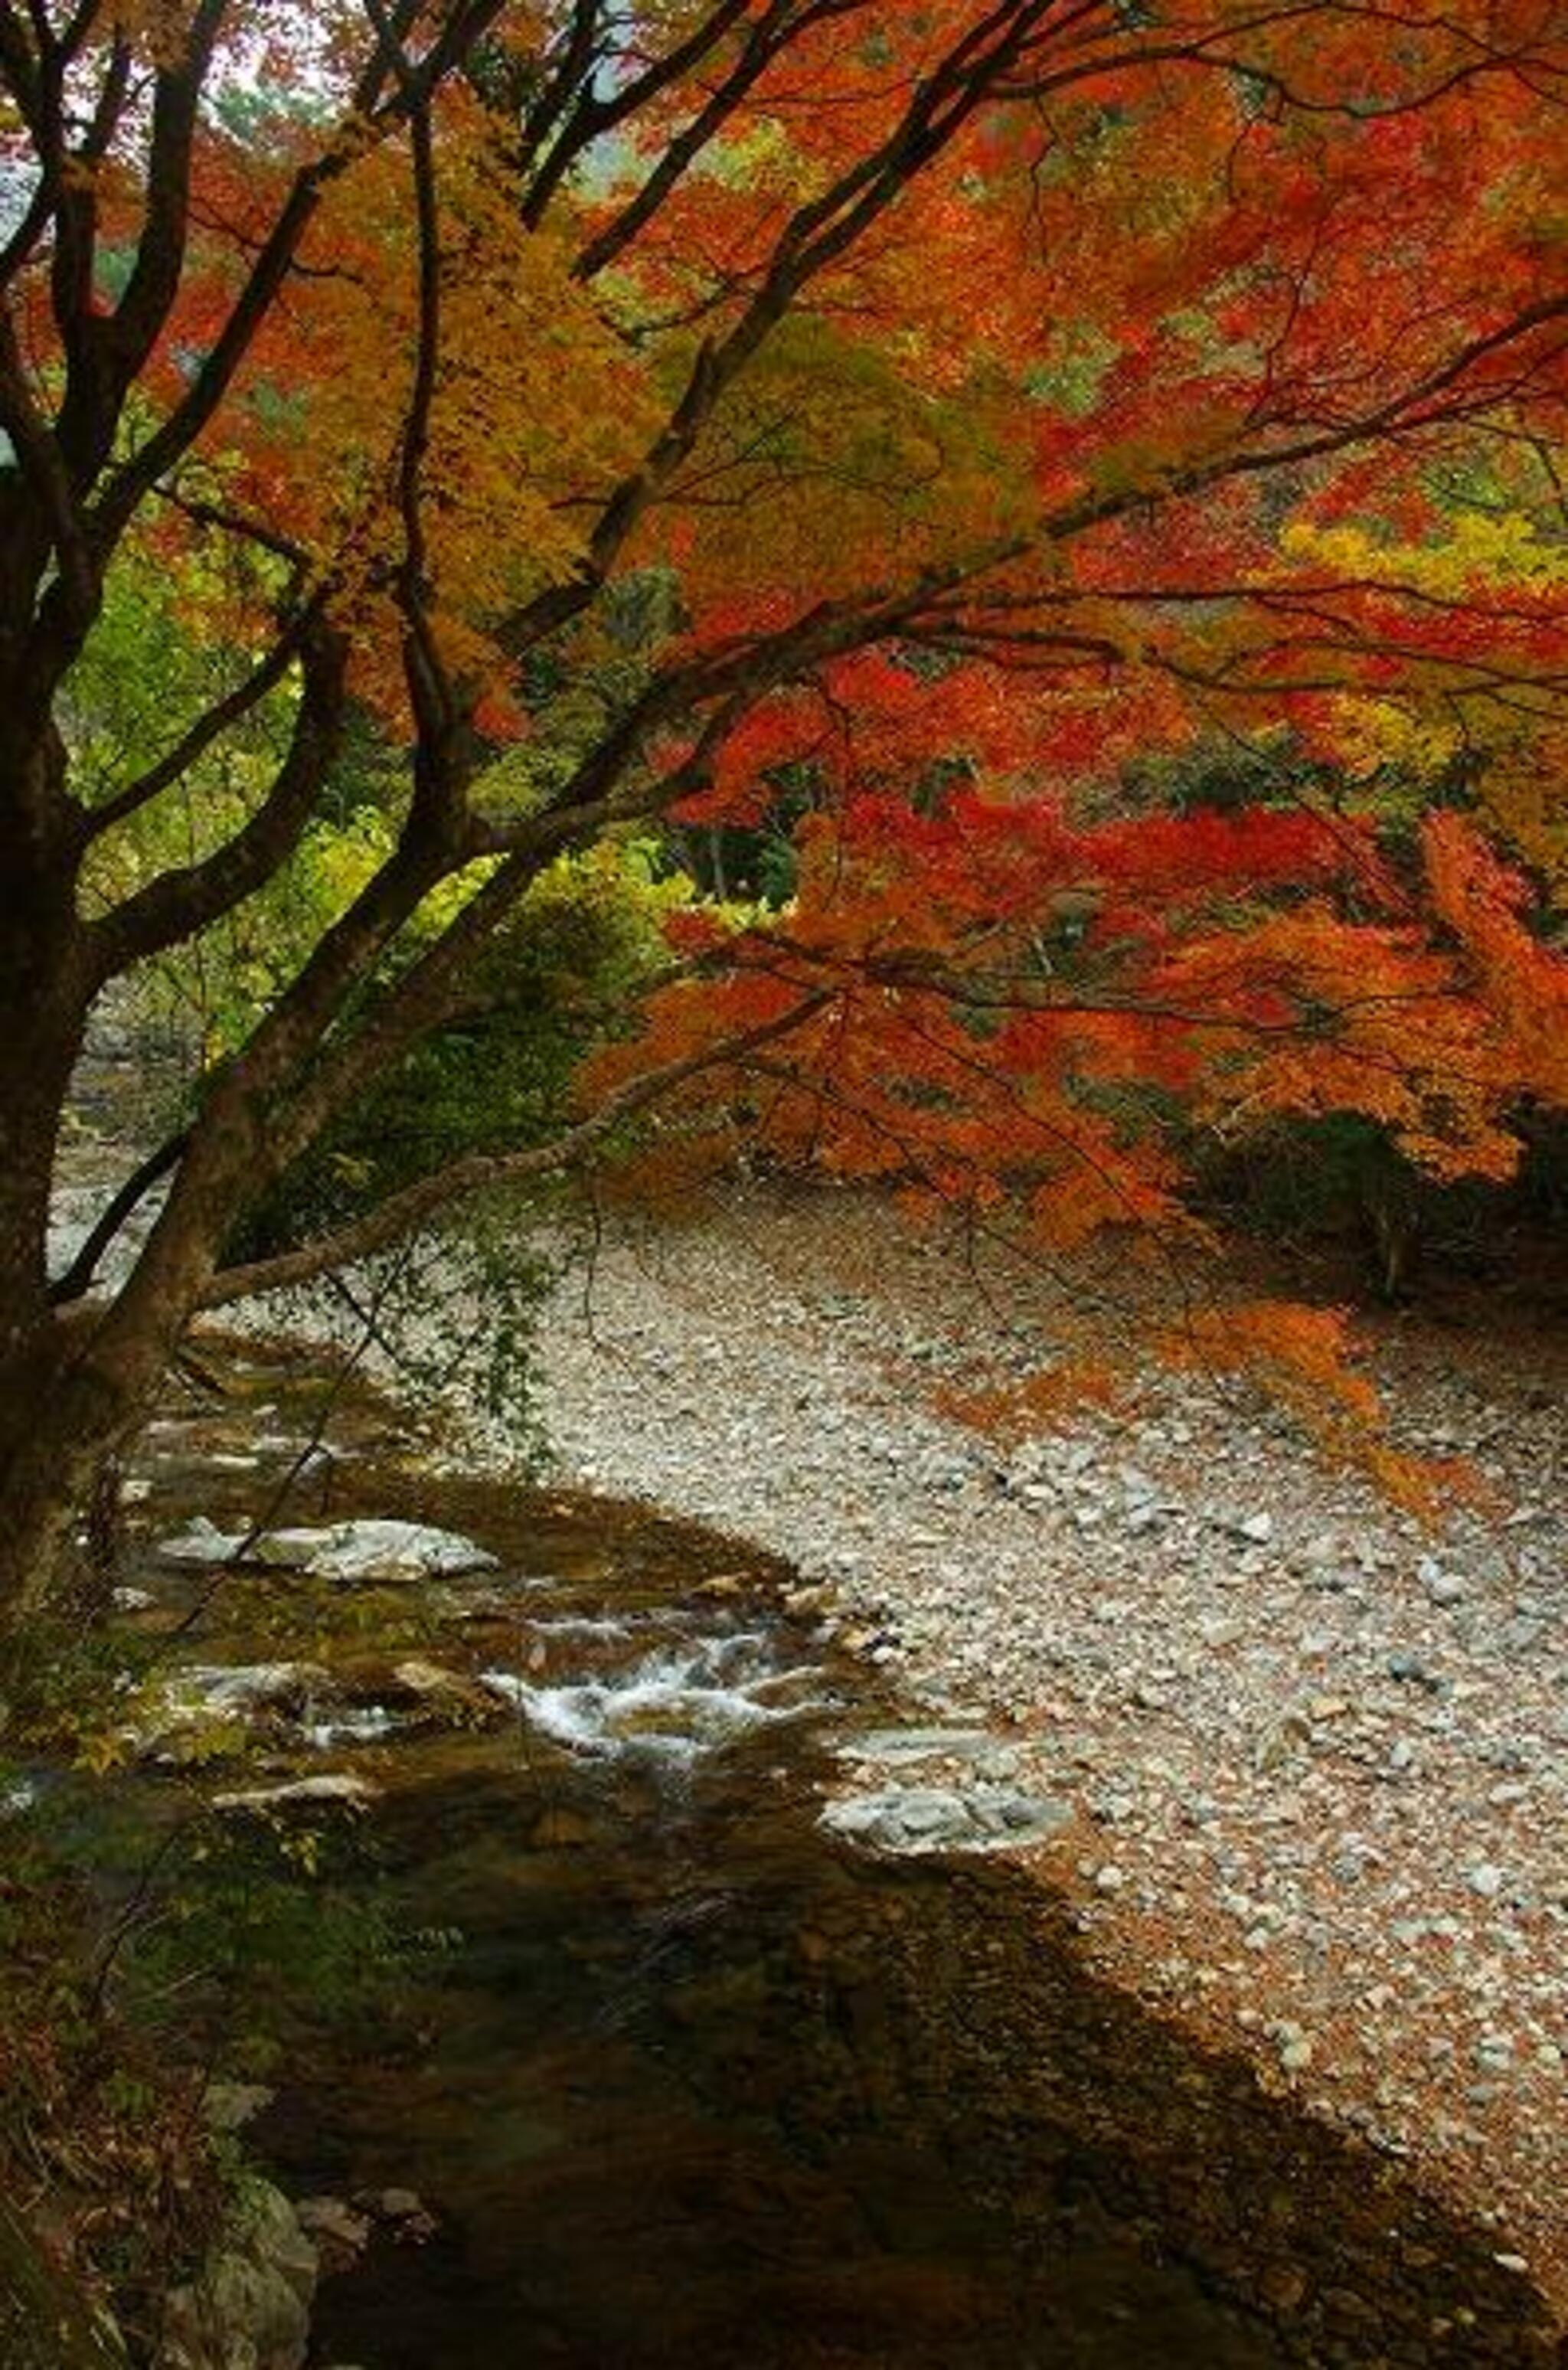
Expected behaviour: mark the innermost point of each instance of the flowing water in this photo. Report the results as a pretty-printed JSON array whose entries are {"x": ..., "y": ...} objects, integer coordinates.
[{"x": 676, "y": 2077}]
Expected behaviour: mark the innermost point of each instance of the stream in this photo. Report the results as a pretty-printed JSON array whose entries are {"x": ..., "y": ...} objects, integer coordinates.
[{"x": 662, "y": 2072}]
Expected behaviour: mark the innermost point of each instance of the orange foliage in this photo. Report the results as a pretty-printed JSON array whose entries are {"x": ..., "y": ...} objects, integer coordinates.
[
  {"x": 1303, "y": 1360},
  {"x": 996, "y": 448}
]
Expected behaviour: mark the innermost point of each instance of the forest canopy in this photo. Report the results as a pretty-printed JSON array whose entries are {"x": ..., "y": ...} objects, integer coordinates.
[{"x": 967, "y": 595}]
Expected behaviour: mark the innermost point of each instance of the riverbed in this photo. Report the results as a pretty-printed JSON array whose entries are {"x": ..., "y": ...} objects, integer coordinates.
[{"x": 664, "y": 2070}]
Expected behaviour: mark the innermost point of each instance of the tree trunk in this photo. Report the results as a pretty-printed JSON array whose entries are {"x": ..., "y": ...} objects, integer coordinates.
[
  {"x": 61, "y": 1422},
  {"x": 60, "y": 1415},
  {"x": 78, "y": 1379}
]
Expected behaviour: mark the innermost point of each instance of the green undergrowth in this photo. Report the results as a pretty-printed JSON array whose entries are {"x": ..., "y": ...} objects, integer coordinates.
[{"x": 152, "y": 1952}]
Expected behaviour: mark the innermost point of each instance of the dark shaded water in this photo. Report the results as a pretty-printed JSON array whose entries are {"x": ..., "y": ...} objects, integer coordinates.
[
  {"x": 650, "y": 2118},
  {"x": 685, "y": 2082}
]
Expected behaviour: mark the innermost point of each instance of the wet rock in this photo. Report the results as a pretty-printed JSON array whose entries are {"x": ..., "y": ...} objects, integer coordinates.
[
  {"x": 378, "y": 1550},
  {"x": 367, "y": 1550},
  {"x": 809, "y": 1604},
  {"x": 931, "y": 1819},
  {"x": 340, "y": 1785},
  {"x": 409, "y": 2220},
  {"x": 238, "y": 1690},
  {"x": 442, "y": 1694},
  {"x": 398, "y": 2204},
  {"x": 181, "y": 1718},
  {"x": 202, "y": 1543},
  {"x": 1283, "y": 2287},
  {"x": 338, "y": 2232}
]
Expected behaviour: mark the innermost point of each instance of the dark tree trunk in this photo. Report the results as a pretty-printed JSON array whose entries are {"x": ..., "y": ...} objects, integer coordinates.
[
  {"x": 59, "y": 1420},
  {"x": 62, "y": 1424}
]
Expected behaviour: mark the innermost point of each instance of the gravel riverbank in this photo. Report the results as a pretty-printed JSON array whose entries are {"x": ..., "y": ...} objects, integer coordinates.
[{"x": 1317, "y": 1759}]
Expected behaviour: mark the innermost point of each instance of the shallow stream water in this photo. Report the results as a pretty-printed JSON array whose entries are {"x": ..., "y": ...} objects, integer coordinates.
[{"x": 676, "y": 2077}]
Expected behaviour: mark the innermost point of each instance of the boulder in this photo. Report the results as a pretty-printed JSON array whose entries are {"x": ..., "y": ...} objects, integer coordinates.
[
  {"x": 912, "y": 1819},
  {"x": 369, "y": 1549},
  {"x": 248, "y": 2308},
  {"x": 442, "y": 1694},
  {"x": 375, "y": 1550}
]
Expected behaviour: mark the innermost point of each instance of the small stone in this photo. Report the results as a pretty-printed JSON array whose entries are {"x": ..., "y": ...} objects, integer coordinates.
[
  {"x": 335, "y": 2227},
  {"x": 1283, "y": 2287},
  {"x": 803, "y": 1604},
  {"x": 1295, "y": 2056},
  {"x": 411, "y": 2219},
  {"x": 1485, "y": 1880}
]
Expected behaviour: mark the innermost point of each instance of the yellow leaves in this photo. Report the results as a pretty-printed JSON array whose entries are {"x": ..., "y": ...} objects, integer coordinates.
[
  {"x": 1475, "y": 550},
  {"x": 827, "y": 464},
  {"x": 1518, "y": 774},
  {"x": 346, "y": 856},
  {"x": 101, "y": 1751},
  {"x": 538, "y": 408},
  {"x": 302, "y": 1847},
  {"x": 1391, "y": 736}
]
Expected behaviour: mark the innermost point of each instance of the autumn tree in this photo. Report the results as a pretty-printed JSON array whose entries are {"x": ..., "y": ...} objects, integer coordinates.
[{"x": 957, "y": 400}]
